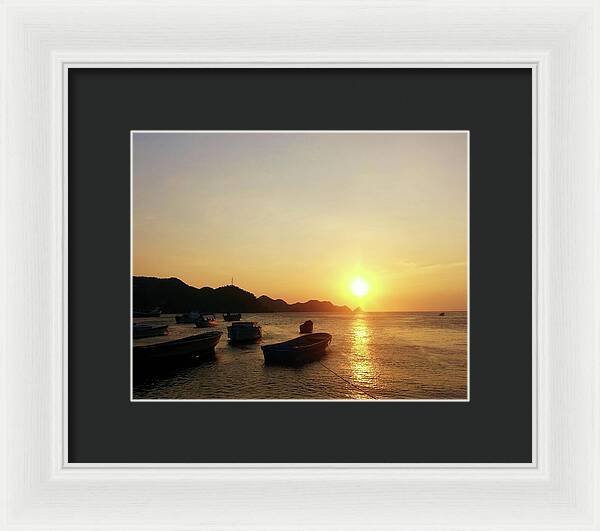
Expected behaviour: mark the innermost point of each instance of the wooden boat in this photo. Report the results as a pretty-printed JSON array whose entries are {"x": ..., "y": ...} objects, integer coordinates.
[
  {"x": 188, "y": 318},
  {"x": 148, "y": 330},
  {"x": 206, "y": 320},
  {"x": 244, "y": 331},
  {"x": 199, "y": 344},
  {"x": 232, "y": 316},
  {"x": 152, "y": 313},
  {"x": 306, "y": 327},
  {"x": 299, "y": 350}
]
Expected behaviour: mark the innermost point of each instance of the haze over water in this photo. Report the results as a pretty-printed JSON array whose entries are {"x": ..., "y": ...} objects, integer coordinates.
[{"x": 396, "y": 355}]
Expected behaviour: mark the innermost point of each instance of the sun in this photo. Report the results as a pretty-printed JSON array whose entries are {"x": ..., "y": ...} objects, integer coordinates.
[{"x": 359, "y": 287}]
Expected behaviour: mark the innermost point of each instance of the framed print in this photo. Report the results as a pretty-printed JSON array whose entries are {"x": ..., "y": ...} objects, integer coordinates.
[{"x": 314, "y": 266}]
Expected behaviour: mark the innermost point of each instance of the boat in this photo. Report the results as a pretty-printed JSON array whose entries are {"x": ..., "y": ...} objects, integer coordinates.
[
  {"x": 232, "y": 316},
  {"x": 188, "y": 318},
  {"x": 148, "y": 330},
  {"x": 205, "y": 320},
  {"x": 442, "y": 314},
  {"x": 199, "y": 344},
  {"x": 244, "y": 331},
  {"x": 151, "y": 313},
  {"x": 306, "y": 327},
  {"x": 301, "y": 349}
]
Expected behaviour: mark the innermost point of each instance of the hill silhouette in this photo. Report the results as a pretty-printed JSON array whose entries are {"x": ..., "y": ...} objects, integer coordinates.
[{"x": 175, "y": 296}]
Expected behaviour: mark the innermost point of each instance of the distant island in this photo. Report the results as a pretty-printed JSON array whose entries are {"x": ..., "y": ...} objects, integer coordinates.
[{"x": 172, "y": 295}]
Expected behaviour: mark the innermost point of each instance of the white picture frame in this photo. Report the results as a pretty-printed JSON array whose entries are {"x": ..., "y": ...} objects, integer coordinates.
[{"x": 559, "y": 40}]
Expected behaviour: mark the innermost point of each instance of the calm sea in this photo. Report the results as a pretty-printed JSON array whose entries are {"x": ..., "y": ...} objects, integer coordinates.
[{"x": 372, "y": 356}]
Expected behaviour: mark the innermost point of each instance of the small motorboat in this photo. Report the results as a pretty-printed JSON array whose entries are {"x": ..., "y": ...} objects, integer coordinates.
[
  {"x": 442, "y": 314},
  {"x": 199, "y": 344},
  {"x": 306, "y": 327},
  {"x": 244, "y": 331},
  {"x": 188, "y": 318},
  {"x": 232, "y": 316},
  {"x": 299, "y": 350},
  {"x": 151, "y": 313},
  {"x": 205, "y": 320},
  {"x": 148, "y": 330}
]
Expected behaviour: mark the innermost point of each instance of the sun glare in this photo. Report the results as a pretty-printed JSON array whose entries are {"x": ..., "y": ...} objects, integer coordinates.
[{"x": 359, "y": 287}]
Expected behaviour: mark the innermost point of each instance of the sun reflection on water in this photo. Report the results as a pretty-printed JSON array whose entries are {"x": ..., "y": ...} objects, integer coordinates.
[{"x": 360, "y": 359}]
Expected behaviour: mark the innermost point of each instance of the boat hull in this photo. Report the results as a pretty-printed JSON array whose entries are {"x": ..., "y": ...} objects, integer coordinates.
[
  {"x": 244, "y": 334},
  {"x": 150, "y": 331},
  {"x": 197, "y": 345},
  {"x": 155, "y": 313},
  {"x": 307, "y": 348}
]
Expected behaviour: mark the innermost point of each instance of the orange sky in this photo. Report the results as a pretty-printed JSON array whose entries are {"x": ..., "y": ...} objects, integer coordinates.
[{"x": 298, "y": 216}]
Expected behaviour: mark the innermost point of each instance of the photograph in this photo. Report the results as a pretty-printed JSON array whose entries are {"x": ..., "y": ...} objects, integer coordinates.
[{"x": 299, "y": 265}]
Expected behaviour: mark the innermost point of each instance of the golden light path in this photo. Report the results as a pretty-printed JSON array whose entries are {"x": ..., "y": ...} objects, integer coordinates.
[{"x": 360, "y": 361}]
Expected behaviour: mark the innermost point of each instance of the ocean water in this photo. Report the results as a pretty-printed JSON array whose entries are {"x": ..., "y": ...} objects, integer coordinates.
[{"x": 396, "y": 356}]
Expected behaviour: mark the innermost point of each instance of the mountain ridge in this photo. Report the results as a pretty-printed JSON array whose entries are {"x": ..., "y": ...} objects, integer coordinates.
[{"x": 173, "y": 295}]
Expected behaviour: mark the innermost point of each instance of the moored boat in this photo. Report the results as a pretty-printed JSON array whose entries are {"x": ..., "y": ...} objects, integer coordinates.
[
  {"x": 188, "y": 318},
  {"x": 306, "y": 327},
  {"x": 205, "y": 320},
  {"x": 148, "y": 330},
  {"x": 244, "y": 331},
  {"x": 150, "y": 313},
  {"x": 299, "y": 350},
  {"x": 199, "y": 344},
  {"x": 232, "y": 316}
]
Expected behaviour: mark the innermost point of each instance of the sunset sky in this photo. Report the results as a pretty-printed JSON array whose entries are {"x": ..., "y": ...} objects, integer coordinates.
[{"x": 301, "y": 216}]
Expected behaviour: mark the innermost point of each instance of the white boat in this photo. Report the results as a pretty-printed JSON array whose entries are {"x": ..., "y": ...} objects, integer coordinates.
[
  {"x": 244, "y": 331},
  {"x": 205, "y": 320}
]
